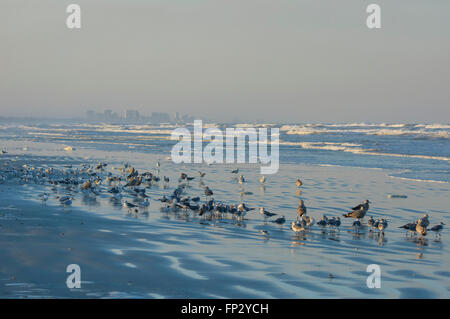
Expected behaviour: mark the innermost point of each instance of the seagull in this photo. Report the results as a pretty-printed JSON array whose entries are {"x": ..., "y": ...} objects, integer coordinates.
[
  {"x": 382, "y": 225},
  {"x": 323, "y": 221},
  {"x": 357, "y": 224},
  {"x": 241, "y": 179},
  {"x": 262, "y": 180},
  {"x": 244, "y": 207},
  {"x": 201, "y": 174},
  {"x": 264, "y": 232},
  {"x": 208, "y": 192},
  {"x": 154, "y": 179},
  {"x": 241, "y": 212},
  {"x": 298, "y": 183},
  {"x": 66, "y": 200},
  {"x": 410, "y": 227},
  {"x": 128, "y": 205},
  {"x": 375, "y": 224},
  {"x": 164, "y": 199},
  {"x": 297, "y": 228},
  {"x": 438, "y": 228},
  {"x": 266, "y": 214},
  {"x": 308, "y": 221},
  {"x": 202, "y": 210},
  {"x": 424, "y": 222},
  {"x": 420, "y": 229},
  {"x": 334, "y": 222},
  {"x": 195, "y": 199},
  {"x": 280, "y": 220},
  {"x": 359, "y": 211},
  {"x": 100, "y": 165},
  {"x": 86, "y": 185},
  {"x": 370, "y": 222},
  {"x": 145, "y": 203},
  {"x": 235, "y": 171},
  {"x": 301, "y": 210}
]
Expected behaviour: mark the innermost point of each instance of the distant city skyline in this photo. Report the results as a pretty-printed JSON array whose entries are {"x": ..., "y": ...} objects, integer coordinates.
[
  {"x": 228, "y": 60},
  {"x": 133, "y": 116}
]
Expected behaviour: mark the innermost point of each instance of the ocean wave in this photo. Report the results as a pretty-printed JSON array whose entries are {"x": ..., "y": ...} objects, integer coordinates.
[
  {"x": 356, "y": 149},
  {"x": 419, "y": 133},
  {"x": 434, "y": 126},
  {"x": 419, "y": 180},
  {"x": 321, "y": 145},
  {"x": 249, "y": 125},
  {"x": 366, "y": 125},
  {"x": 303, "y": 130},
  {"x": 388, "y": 130}
]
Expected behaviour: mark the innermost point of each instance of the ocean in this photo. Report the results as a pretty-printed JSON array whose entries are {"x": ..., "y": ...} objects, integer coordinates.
[
  {"x": 412, "y": 151},
  {"x": 403, "y": 169}
]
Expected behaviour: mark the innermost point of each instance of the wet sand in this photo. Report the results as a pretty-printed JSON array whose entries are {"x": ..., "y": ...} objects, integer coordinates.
[{"x": 162, "y": 254}]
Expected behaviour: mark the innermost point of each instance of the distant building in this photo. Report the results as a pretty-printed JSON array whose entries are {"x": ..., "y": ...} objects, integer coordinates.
[
  {"x": 158, "y": 117},
  {"x": 90, "y": 115},
  {"x": 176, "y": 117},
  {"x": 132, "y": 116}
]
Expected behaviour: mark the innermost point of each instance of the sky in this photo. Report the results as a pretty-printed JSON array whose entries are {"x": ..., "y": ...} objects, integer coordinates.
[{"x": 291, "y": 61}]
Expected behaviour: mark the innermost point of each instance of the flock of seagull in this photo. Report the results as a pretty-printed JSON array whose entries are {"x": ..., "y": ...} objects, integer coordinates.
[{"x": 129, "y": 183}]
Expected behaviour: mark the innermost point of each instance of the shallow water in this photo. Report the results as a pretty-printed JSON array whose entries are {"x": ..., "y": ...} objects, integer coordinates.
[
  {"x": 409, "y": 151},
  {"x": 160, "y": 254}
]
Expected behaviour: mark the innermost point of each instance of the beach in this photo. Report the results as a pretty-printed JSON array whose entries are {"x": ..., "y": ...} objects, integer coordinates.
[{"x": 160, "y": 253}]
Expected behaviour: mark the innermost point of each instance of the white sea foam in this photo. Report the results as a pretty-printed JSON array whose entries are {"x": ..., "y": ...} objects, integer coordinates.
[
  {"x": 425, "y": 131},
  {"x": 248, "y": 125},
  {"x": 419, "y": 180},
  {"x": 356, "y": 149}
]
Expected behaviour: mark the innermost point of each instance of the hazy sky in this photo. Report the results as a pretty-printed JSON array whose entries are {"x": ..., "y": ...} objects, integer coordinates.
[{"x": 271, "y": 60}]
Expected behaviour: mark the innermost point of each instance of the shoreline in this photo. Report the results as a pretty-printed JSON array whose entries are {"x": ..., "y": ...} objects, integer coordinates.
[{"x": 170, "y": 255}]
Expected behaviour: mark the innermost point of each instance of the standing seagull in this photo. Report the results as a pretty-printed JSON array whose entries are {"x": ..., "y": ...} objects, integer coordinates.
[
  {"x": 301, "y": 210},
  {"x": 280, "y": 220},
  {"x": 308, "y": 221},
  {"x": 44, "y": 197},
  {"x": 359, "y": 211},
  {"x": 266, "y": 214},
  {"x": 382, "y": 225},
  {"x": 334, "y": 222},
  {"x": 438, "y": 228},
  {"x": 370, "y": 222},
  {"x": 357, "y": 224},
  {"x": 424, "y": 222},
  {"x": 323, "y": 221},
  {"x": 66, "y": 200},
  {"x": 298, "y": 183},
  {"x": 208, "y": 192},
  {"x": 421, "y": 227},
  {"x": 128, "y": 205},
  {"x": 410, "y": 227},
  {"x": 262, "y": 180},
  {"x": 297, "y": 228}
]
